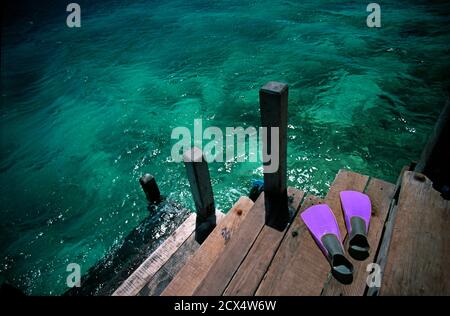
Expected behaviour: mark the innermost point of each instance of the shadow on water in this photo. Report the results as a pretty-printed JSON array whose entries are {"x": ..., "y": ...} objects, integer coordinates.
[{"x": 107, "y": 275}]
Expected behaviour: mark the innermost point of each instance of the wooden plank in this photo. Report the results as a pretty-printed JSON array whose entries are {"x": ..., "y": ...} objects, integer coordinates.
[
  {"x": 384, "y": 247},
  {"x": 165, "y": 275},
  {"x": 195, "y": 269},
  {"x": 298, "y": 267},
  {"x": 308, "y": 269},
  {"x": 381, "y": 194},
  {"x": 157, "y": 259},
  {"x": 221, "y": 272},
  {"x": 255, "y": 264},
  {"x": 433, "y": 151},
  {"x": 387, "y": 233},
  {"x": 419, "y": 256}
]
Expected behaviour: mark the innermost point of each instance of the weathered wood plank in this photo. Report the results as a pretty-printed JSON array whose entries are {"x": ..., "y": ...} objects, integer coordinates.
[
  {"x": 419, "y": 256},
  {"x": 381, "y": 194},
  {"x": 165, "y": 275},
  {"x": 157, "y": 259},
  {"x": 308, "y": 269},
  {"x": 297, "y": 268},
  {"x": 255, "y": 264},
  {"x": 433, "y": 151},
  {"x": 383, "y": 247},
  {"x": 217, "y": 278},
  {"x": 195, "y": 269}
]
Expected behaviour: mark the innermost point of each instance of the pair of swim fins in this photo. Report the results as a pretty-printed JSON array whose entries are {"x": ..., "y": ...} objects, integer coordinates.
[{"x": 323, "y": 227}]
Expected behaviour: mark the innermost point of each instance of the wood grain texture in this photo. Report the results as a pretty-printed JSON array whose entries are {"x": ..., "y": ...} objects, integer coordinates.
[
  {"x": 165, "y": 275},
  {"x": 383, "y": 247},
  {"x": 298, "y": 267},
  {"x": 137, "y": 280},
  {"x": 221, "y": 272},
  {"x": 255, "y": 264},
  {"x": 195, "y": 269},
  {"x": 381, "y": 194},
  {"x": 419, "y": 252}
]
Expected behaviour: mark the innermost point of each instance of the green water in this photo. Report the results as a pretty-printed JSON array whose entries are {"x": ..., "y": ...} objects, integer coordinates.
[{"x": 86, "y": 111}]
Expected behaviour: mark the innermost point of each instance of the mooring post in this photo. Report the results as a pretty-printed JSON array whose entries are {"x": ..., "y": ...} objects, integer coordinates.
[
  {"x": 200, "y": 182},
  {"x": 273, "y": 101},
  {"x": 150, "y": 187}
]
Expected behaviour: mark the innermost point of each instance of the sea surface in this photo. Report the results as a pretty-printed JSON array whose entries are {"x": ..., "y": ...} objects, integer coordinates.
[{"x": 86, "y": 111}]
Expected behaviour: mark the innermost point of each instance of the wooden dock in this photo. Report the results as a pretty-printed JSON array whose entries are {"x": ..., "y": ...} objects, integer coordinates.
[
  {"x": 263, "y": 248},
  {"x": 242, "y": 256}
]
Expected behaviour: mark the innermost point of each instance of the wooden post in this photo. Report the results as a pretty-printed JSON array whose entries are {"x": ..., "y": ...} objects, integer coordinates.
[
  {"x": 273, "y": 100},
  {"x": 200, "y": 182},
  {"x": 431, "y": 153},
  {"x": 434, "y": 162},
  {"x": 150, "y": 188}
]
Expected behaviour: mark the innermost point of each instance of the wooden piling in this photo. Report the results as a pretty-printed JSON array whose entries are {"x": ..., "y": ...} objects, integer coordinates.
[
  {"x": 434, "y": 162},
  {"x": 200, "y": 182},
  {"x": 150, "y": 188},
  {"x": 273, "y": 99}
]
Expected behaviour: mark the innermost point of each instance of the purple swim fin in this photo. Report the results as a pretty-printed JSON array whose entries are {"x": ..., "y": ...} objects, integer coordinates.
[
  {"x": 357, "y": 210},
  {"x": 323, "y": 227}
]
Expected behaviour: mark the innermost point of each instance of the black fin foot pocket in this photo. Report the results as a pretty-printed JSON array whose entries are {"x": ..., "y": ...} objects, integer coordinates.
[
  {"x": 358, "y": 245},
  {"x": 341, "y": 267}
]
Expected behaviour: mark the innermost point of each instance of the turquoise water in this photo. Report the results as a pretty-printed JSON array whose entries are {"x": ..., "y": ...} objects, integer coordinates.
[{"x": 86, "y": 111}]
